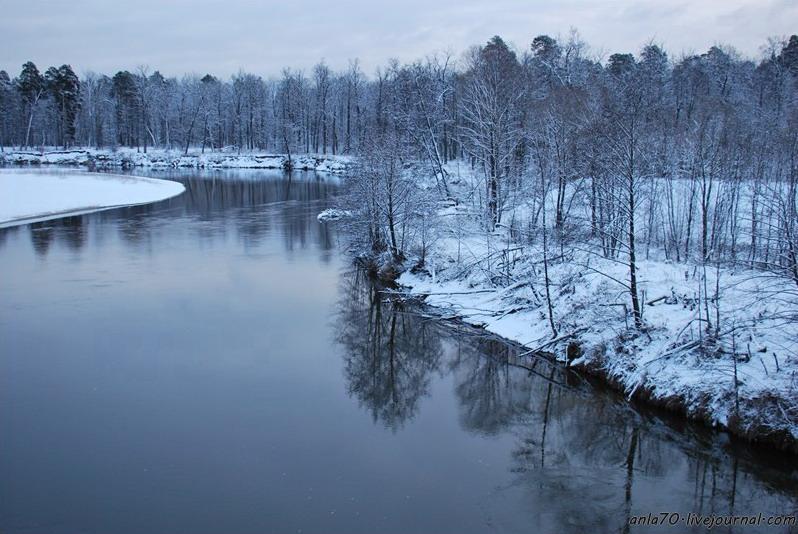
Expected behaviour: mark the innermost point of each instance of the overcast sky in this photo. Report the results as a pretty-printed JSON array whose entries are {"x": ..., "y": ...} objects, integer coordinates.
[{"x": 221, "y": 37}]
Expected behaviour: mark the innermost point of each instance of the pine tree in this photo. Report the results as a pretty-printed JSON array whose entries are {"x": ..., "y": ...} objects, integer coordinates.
[
  {"x": 125, "y": 93},
  {"x": 789, "y": 54},
  {"x": 5, "y": 107},
  {"x": 31, "y": 87},
  {"x": 63, "y": 85}
]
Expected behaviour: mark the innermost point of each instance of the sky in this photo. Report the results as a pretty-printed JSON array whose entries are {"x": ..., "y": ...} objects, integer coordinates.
[{"x": 222, "y": 37}]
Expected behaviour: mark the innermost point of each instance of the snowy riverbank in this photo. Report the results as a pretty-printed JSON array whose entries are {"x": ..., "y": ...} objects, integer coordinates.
[
  {"x": 159, "y": 158},
  {"x": 736, "y": 370},
  {"x": 660, "y": 364},
  {"x": 30, "y": 196}
]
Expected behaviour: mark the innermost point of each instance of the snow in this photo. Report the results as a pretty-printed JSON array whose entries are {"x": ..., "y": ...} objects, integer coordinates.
[
  {"x": 30, "y": 196},
  {"x": 161, "y": 158},
  {"x": 493, "y": 281},
  {"x": 333, "y": 214}
]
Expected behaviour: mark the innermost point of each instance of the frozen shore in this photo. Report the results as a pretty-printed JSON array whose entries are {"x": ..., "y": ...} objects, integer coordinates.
[
  {"x": 160, "y": 158},
  {"x": 30, "y": 196}
]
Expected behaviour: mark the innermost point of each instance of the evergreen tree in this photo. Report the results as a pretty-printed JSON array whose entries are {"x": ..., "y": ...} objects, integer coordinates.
[
  {"x": 621, "y": 64},
  {"x": 31, "y": 87},
  {"x": 125, "y": 94},
  {"x": 6, "y": 94},
  {"x": 789, "y": 54},
  {"x": 64, "y": 87}
]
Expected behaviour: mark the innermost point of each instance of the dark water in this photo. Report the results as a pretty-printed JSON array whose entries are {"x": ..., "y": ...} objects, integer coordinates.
[{"x": 211, "y": 364}]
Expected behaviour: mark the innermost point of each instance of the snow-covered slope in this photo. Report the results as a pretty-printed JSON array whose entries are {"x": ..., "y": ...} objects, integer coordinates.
[
  {"x": 746, "y": 382},
  {"x": 718, "y": 343},
  {"x": 29, "y": 196}
]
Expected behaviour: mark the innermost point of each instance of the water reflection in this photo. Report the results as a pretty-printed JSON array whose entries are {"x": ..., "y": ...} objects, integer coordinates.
[
  {"x": 389, "y": 354},
  {"x": 41, "y": 235},
  {"x": 583, "y": 458},
  {"x": 250, "y": 204}
]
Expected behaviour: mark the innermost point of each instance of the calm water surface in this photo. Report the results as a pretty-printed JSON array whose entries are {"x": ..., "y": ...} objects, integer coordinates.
[{"x": 211, "y": 364}]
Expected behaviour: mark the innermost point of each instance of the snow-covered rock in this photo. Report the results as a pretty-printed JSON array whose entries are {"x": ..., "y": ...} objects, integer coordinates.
[{"x": 333, "y": 214}]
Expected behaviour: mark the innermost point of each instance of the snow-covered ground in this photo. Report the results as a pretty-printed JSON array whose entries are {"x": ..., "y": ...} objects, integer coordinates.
[
  {"x": 160, "y": 158},
  {"x": 30, "y": 196},
  {"x": 746, "y": 381}
]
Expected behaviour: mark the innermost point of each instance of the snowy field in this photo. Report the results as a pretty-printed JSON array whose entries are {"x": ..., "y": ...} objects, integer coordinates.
[
  {"x": 160, "y": 158},
  {"x": 30, "y": 196}
]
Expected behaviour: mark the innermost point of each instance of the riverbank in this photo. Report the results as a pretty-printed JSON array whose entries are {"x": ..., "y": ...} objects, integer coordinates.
[
  {"x": 160, "y": 158},
  {"x": 651, "y": 365},
  {"x": 718, "y": 343},
  {"x": 744, "y": 382},
  {"x": 30, "y": 196}
]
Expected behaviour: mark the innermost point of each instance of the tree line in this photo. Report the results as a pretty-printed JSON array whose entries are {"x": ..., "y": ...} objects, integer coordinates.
[
  {"x": 323, "y": 112},
  {"x": 694, "y": 157}
]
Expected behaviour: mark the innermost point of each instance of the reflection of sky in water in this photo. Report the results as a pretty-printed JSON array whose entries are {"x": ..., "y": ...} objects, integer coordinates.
[{"x": 207, "y": 364}]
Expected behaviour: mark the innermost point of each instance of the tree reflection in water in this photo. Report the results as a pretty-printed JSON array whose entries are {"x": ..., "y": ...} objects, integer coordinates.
[
  {"x": 390, "y": 354},
  {"x": 583, "y": 457}
]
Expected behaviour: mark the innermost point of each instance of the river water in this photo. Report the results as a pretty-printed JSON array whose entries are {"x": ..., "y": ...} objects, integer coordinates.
[{"x": 213, "y": 364}]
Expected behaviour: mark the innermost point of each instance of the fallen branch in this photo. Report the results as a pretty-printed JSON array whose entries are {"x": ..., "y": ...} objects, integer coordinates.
[
  {"x": 654, "y": 301},
  {"x": 555, "y": 341},
  {"x": 476, "y": 291}
]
